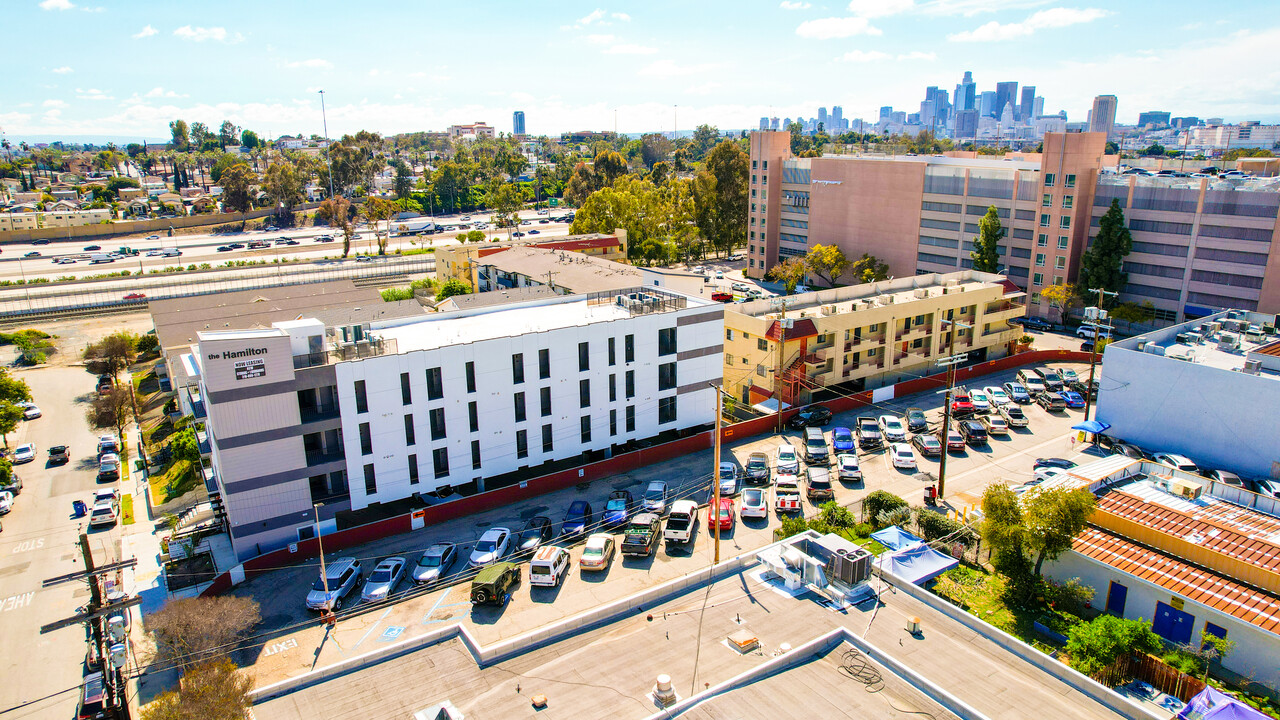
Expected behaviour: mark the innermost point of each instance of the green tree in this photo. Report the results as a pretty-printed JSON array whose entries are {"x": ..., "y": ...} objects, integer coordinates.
[
  {"x": 215, "y": 690},
  {"x": 1053, "y": 517},
  {"x": 376, "y": 210},
  {"x": 228, "y": 134},
  {"x": 789, "y": 272},
  {"x": 1101, "y": 266},
  {"x": 1111, "y": 148},
  {"x": 654, "y": 147},
  {"x": 1154, "y": 149},
  {"x": 180, "y": 135},
  {"x": 202, "y": 138},
  {"x": 249, "y": 139},
  {"x": 720, "y": 197},
  {"x": 868, "y": 268},
  {"x": 235, "y": 189},
  {"x": 582, "y": 182},
  {"x": 404, "y": 181},
  {"x": 452, "y": 287},
  {"x": 827, "y": 262},
  {"x": 505, "y": 201},
  {"x": 13, "y": 390},
  {"x": 1135, "y": 313},
  {"x": 284, "y": 186},
  {"x": 986, "y": 254},
  {"x": 1062, "y": 298},
  {"x": 111, "y": 410},
  {"x": 112, "y": 354},
  {"x": 609, "y": 166},
  {"x": 1096, "y": 645},
  {"x": 661, "y": 171},
  {"x": 704, "y": 138},
  {"x": 336, "y": 211}
]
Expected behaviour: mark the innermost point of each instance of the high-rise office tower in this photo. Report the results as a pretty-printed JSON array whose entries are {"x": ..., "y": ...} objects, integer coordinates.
[
  {"x": 1037, "y": 108},
  {"x": 837, "y": 118},
  {"x": 517, "y": 122},
  {"x": 966, "y": 93},
  {"x": 822, "y": 118},
  {"x": 1006, "y": 94},
  {"x": 775, "y": 123},
  {"x": 928, "y": 113},
  {"x": 764, "y": 123},
  {"x": 966, "y": 123},
  {"x": 885, "y": 112},
  {"x": 987, "y": 104},
  {"x": 1026, "y": 108},
  {"x": 1103, "y": 116}
]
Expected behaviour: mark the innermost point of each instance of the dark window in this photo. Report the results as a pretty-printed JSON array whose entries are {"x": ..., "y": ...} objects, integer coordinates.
[
  {"x": 629, "y": 348},
  {"x": 584, "y": 393},
  {"x": 631, "y": 418},
  {"x": 666, "y": 410},
  {"x": 409, "y": 436},
  {"x": 612, "y": 354},
  {"x": 366, "y": 440},
  {"x": 762, "y": 344},
  {"x": 406, "y": 395},
  {"x": 631, "y": 384},
  {"x": 370, "y": 480},
  {"x": 545, "y": 396},
  {"x": 413, "y": 469},
  {"x": 666, "y": 376},
  {"x": 522, "y": 443},
  {"x": 586, "y": 428},
  {"x": 517, "y": 368},
  {"x": 471, "y": 377},
  {"x": 435, "y": 388},
  {"x": 519, "y": 406},
  {"x": 475, "y": 454},
  {"x": 473, "y": 416},
  {"x": 584, "y": 356},
  {"x": 440, "y": 457},
  {"x": 437, "y": 423},
  {"x": 544, "y": 364},
  {"x": 613, "y": 422},
  {"x": 666, "y": 341},
  {"x": 362, "y": 400},
  {"x": 546, "y": 439},
  {"x": 613, "y": 388}
]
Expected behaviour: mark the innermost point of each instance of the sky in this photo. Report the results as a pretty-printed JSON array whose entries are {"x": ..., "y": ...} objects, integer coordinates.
[{"x": 126, "y": 68}]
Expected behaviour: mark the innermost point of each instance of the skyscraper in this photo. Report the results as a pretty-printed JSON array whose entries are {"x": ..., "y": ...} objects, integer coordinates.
[
  {"x": 885, "y": 112},
  {"x": 987, "y": 104},
  {"x": 1026, "y": 108},
  {"x": 517, "y": 122},
  {"x": 764, "y": 123},
  {"x": 822, "y": 118},
  {"x": 775, "y": 123},
  {"x": 966, "y": 97},
  {"x": 966, "y": 123},
  {"x": 1037, "y": 108},
  {"x": 1006, "y": 94},
  {"x": 837, "y": 119},
  {"x": 1103, "y": 116}
]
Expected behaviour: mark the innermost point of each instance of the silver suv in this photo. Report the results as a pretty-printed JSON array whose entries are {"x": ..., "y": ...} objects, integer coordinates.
[{"x": 343, "y": 574}]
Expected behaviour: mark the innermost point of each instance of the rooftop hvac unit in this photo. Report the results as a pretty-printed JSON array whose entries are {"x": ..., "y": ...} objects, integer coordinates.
[
  {"x": 1153, "y": 349},
  {"x": 1142, "y": 344},
  {"x": 1228, "y": 341},
  {"x": 920, "y": 293},
  {"x": 1235, "y": 314},
  {"x": 830, "y": 310},
  {"x": 1252, "y": 367},
  {"x": 952, "y": 282},
  {"x": 886, "y": 299},
  {"x": 1185, "y": 488},
  {"x": 1183, "y": 338},
  {"x": 1195, "y": 338}
]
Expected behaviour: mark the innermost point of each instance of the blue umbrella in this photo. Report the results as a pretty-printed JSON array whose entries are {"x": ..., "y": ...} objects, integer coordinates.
[{"x": 1092, "y": 426}]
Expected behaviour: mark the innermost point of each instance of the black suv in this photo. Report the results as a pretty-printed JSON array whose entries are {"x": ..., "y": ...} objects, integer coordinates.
[
  {"x": 1033, "y": 323},
  {"x": 973, "y": 432},
  {"x": 1080, "y": 385},
  {"x": 814, "y": 415}
]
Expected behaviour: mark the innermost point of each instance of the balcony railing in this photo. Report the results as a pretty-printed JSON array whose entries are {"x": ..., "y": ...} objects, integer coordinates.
[
  {"x": 321, "y": 457},
  {"x": 338, "y": 352},
  {"x": 316, "y": 413}
]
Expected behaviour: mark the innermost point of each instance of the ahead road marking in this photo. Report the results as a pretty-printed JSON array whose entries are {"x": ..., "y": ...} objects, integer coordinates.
[{"x": 15, "y": 602}]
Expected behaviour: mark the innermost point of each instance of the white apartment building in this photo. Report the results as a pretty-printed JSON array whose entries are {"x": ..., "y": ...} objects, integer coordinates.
[{"x": 350, "y": 417}]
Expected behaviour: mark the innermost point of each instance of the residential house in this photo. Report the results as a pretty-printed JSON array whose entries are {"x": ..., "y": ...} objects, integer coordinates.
[{"x": 129, "y": 193}]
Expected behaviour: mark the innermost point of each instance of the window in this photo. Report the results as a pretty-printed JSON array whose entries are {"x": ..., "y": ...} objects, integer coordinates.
[
  {"x": 366, "y": 440},
  {"x": 518, "y": 400},
  {"x": 613, "y": 358},
  {"x": 584, "y": 393},
  {"x": 370, "y": 480},
  {"x": 1062, "y": 242},
  {"x": 1039, "y": 259},
  {"x": 666, "y": 341},
  {"x": 666, "y": 410},
  {"x": 760, "y": 370},
  {"x": 764, "y": 165},
  {"x": 1035, "y": 297},
  {"x": 1067, "y": 200},
  {"x": 630, "y": 383},
  {"x": 754, "y": 180},
  {"x": 1042, "y": 240},
  {"x": 871, "y": 353},
  {"x": 475, "y": 454},
  {"x": 875, "y": 328},
  {"x": 762, "y": 344},
  {"x": 1037, "y": 278},
  {"x": 544, "y": 397},
  {"x": 613, "y": 388},
  {"x": 362, "y": 400},
  {"x": 613, "y": 422},
  {"x": 406, "y": 395},
  {"x": 517, "y": 368},
  {"x": 437, "y": 423},
  {"x": 666, "y": 376},
  {"x": 1048, "y": 179},
  {"x": 585, "y": 422},
  {"x": 1057, "y": 279},
  {"x": 1046, "y": 201},
  {"x": 435, "y": 387},
  {"x": 471, "y": 377},
  {"x": 629, "y": 348},
  {"x": 584, "y": 356},
  {"x": 473, "y": 417},
  {"x": 413, "y": 469},
  {"x": 547, "y": 445},
  {"x": 440, "y": 458},
  {"x": 1065, "y": 222},
  {"x": 631, "y": 418},
  {"x": 728, "y": 334},
  {"x": 728, "y": 359},
  {"x": 753, "y": 164},
  {"x": 1060, "y": 262},
  {"x": 522, "y": 443},
  {"x": 409, "y": 435},
  {"x": 544, "y": 364},
  {"x": 1071, "y": 181},
  {"x": 1044, "y": 220}
]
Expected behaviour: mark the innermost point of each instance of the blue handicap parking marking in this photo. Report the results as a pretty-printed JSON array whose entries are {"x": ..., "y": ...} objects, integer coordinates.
[{"x": 391, "y": 633}]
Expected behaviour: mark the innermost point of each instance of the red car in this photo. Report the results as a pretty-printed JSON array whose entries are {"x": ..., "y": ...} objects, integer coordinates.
[
  {"x": 723, "y": 297},
  {"x": 961, "y": 406},
  {"x": 725, "y": 521},
  {"x": 135, "y": 296},
  {"x": 954, "y": 440}
]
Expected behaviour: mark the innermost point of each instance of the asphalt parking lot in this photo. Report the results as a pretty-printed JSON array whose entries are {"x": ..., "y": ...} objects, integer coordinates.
[{"x": 290, "y": 639}]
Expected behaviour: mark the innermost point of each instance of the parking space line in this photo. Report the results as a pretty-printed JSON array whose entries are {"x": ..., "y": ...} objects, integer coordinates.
[
  {"x": 427, "y": 618},
  {"x": 372, "y": 627}
]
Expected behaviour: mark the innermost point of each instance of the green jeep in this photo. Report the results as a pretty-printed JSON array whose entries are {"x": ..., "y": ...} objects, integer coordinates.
[{"x": 491, "y": 585}]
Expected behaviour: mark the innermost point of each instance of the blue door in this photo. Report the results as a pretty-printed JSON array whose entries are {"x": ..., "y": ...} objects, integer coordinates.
[
  {"x": 1115, "y": 599},
  {"x": 1172, "y": 624}
]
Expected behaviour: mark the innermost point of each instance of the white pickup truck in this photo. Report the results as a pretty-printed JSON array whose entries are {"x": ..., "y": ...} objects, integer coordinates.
[
  {"x": 786, "y": 494},
  {"x": 682, "y": 523}
]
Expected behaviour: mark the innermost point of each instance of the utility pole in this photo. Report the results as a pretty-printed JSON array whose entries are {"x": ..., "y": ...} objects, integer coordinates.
[
  {"x": 951, "y": 361},
  {"x": 1093, "y": 351},
  {"x": 777, "y": 378},
  {"x": 715, "y": 479}
]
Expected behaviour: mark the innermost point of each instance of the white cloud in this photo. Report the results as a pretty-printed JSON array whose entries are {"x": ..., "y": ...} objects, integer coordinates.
[
  {"x": 600, "y": 39},
  {"x": 200, "y": 34},
  {"x": 864, "y": 56},
  {"x": 314, "y": 64},
  {"x": 62, "y": 70},
  {"x": 92, "y": 94},
  {"x": 94, "y": 9},
  {"x": 621, "y": 16},
  {"x": 969, "y": 8},
  {"x": 790, "y": 5},
  {"x": 54, "y": 104},
  {"x": 1051, "y": 18},
  {"x": 146, "y": 31},
  {"x": 56, "y": 5},
  {"x": 879, "y": 8},
  {"x": 669, "y": 68},
  {"x": 630, "y": 49},
  {"x": 160, "y": 92},
  {"x": 836, "y": 27},
  {"x": 918, "y": 55},
  {"x": 594, "y": 16}
]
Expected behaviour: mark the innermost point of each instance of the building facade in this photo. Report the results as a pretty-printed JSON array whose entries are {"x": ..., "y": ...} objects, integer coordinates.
[
  {"x": 462, "y": 261},
  {"x": 1102, "y": 118},
  {"x": 472, "y": 131},
  {"x": 517, "y": 122}
]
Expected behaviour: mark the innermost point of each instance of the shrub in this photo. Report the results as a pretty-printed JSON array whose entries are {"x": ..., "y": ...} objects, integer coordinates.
[
  {"x": 837, "y": 516},
  {"x": 933, "y": 525},
  {"x": 1095, "y": 645},
  {"x": 897, "y": 516},
  {"x": 792, "y": 526},
  {"x": 862, "y": 530},
  {"x": 147, "y": 343},
  {"x": 881, "y": 501}
]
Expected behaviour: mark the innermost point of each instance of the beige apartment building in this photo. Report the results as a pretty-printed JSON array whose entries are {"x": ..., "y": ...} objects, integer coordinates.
[
  {"x": 65, "y": 218},
  {"x": 865, "y": 336}
]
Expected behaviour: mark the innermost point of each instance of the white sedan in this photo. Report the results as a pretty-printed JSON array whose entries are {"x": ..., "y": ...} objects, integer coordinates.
[
  {"x": 31, "y": 412},
  {"x": 24, "y": 454},
  {"x": 755, "y": 503},
  {"x": 6, "y": 502},
  {"x": 981, "y": 401},
  {"x": 892, "y": 429},
  {"x": 997, "y": 394},
  {"x": 902, "y": 456},
  {"x": 1045, "y": 474}
]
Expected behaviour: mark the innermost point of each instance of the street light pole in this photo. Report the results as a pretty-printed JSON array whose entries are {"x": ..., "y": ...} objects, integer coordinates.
[
  {"x": 715, "y": 480},
  {"x": 324, "y": 576},
  {"x": 328, "y": 151}
]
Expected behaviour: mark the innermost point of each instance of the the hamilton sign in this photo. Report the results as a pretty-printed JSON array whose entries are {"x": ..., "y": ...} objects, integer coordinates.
[
  {"x": 235, "y": 354},
  {"x": 247, "y": 365}
]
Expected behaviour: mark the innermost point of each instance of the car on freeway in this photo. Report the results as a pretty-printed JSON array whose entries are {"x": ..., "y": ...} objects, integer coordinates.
[
  {"x": 41, "y": 241},
  {"x": 817, "y": 484},
  {"x": 64, "y": 261},
  {"x": 892, "y": 428},
  {"x": 577, "y": 518},
  {"x": 59, "y": 454},
  {"x": 225, "y": 248},
  {"x": 153, "y": 237},
  {"x": 995, "y": 424},
  {"x": 1032, "y": 323},
  {"x": 270, "y": 228},
  {"x": 465, "y": 218},
  {"x": 997, "y": 395},
  {"x": 842, "y": 439},
  {"x": 1072, "y": 398},
  {"x": 973, "y": 432},
  {"x": 927, "y": 444},
  {"x": 324, "y": 238},
  {"x": 757, "y": 469},
  {"x": 916, "y": 420},
  {"x": 902, "y": 456},
  {"x": 383, "y": 580},
  {"x": 236, "y": 246},
  {"x": 536, "y": 531},
  {"x": 340, "y": 577},
  {"x": 788, "y": 461},
  {"x": 1061, "y": 463},
  {"x": 847, "y": 467},
  {"x": 364, "y": 258},
  {"x": 722, "y": 519},
  {"x": 32, "y": 254},
  {"x": 135, "y": 296},
  {"x": 1173, "y": 460},
  {"x": 517, "y": 234},
  {"x": 755, "y": 503},
  {"x": 490, "y": 548},
  {"x": 955, "y": 441},
  {"x": 728, "y": 478},
  {"x": 961, "y": 406},
  {"x": 1225, "y": 477},
  {"x": 1017, "y": 393},
  {"x": 654, "y": 499},
  {"x": 434, "y": 564},
  {"x": 91, "y": 248},
  {"x": 598, "y": 552},
  {"x": 981, "y": 403},
  {"x": 534, "y": 231},
  {"x": 812, "y": 415},
  {"x": 617, "y": 509},
  {"x": 24, "y": 454}
]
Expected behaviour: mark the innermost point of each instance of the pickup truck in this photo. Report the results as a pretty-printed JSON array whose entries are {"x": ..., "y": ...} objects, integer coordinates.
[
  {"x": 786, "y": 494},
  {"x": 869, "y": 435},
  {"x": 641, "y": 535},
  {"x": 682, "y": 523}
]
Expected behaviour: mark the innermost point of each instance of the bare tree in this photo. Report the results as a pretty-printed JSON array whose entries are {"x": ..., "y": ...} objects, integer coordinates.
[
  {"x": 113, "y": 410},
  {"x": 193, "y": 630},
  {"x": 214, "y": 690}
]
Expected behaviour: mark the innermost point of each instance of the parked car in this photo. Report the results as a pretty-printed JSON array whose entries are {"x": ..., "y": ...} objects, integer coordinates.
[
  {"x": 902, "y": 456},
  {"x": 869, "y": 435},
  {"x": 1072, "y": 398},
  {"x": 93, "y": 698},
  {"x": 995, "y": 424},
  {"x": 1093, "y": 332},
  {"x": 961, "y": 406},
  {"x": 492, "y": 546},
  {"x": 981, "y": 403},
  {"x": 786, "y": 494},
  {"x": 755, "y": 503},
  {"x": 109, "y": 467},
  {"x": 1270, "y": 488},
  {"x": 24, "y": 453},
  {"x": 434, "y": 564},
  {"x": 383, "y": 580},
  {"x": 6, "y": 502},
  {"x": 598, "y": 552},
  {"x": 1130, "y": 450},
  {"x": 927, "y": 444},
  {"x": 1061, "y": 463},
  {"x": 728, "y": 479},
  {"x": 617, "y": 510},
  {"x": 641, "y": 536},
  {"x": 1012, "y": 415},
  {"x": 1225, "y": 477},
  {"x": 1045, "y": 474},
  {"x": 1082, "y": 387},
  {"x": 815, "y": 446},
  {"x": 682, "y": 523},
  {"x": 997, "y": 395},
  {"x": 1068, "y": 375},
  {"x": 954, "y": 440},
  {"x": 1032, "y": 323},
  {"x": 1017, "y": 393},
  {"x": 577, "y": 518},
  {"x": 340, "y": 577},
  {"x": 1174, "y": 460},
  {"x": 817, "y": 485},
  {"x": 812, "y": 415},
  {"x": 722, "y": 519},
  {"x": 916, "y": 420},
  {"x": 492, "y": 584},
  {"x": 788, "y": 461},
  {"x": 842, "y": 439},
  {"x": 536, "y": 531},
  {"x": 1051, "y": 402},
  {"x": 892, "y": 429},
  {"x": 107, "y": 444},
  {"x": 654, "y": 499},
  {"x": 549, "y": 566},
  {"x": 973, "y": 432},
  {"x": 847, "y": 467},
  {"x": 1052, "y": 381},
  {"x": 757, "y": 469}
]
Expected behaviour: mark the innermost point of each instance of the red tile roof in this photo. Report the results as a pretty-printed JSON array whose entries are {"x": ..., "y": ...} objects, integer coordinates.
[
  {"x": 1010, "y": 287},
  {"x": 1189, "y": 581},
  {"x": 800, "y": 329}
]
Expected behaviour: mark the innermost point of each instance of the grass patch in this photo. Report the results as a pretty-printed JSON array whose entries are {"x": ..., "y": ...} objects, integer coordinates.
[
  {"x": 867, "y": 543},
  {"x": 126, "y": 509},
  {"x": 19, "y": 337},
  {"x": 181, "y": 477}
]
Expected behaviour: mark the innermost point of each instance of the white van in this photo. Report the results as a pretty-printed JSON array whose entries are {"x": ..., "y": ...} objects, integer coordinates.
[
  {"x": 170, "y": 252},
  {"x": 549, "y": 566},
  {"x": 1031, "y": 381}
]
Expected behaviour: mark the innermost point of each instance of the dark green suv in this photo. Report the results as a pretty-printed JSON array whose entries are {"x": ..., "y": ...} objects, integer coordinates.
[{"x": 491, "y": 585}]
